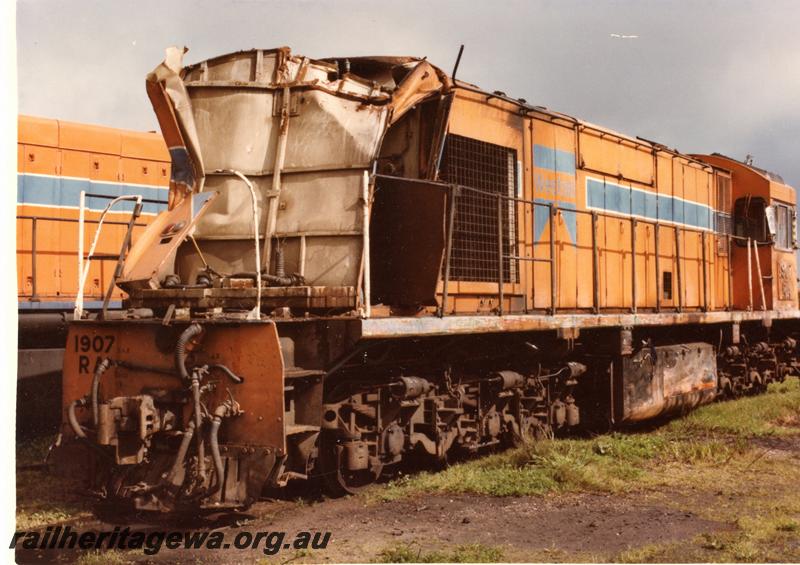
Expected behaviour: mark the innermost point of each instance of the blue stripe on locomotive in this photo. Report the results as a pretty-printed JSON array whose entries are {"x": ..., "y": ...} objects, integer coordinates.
[{"x": 611, "y": 197}]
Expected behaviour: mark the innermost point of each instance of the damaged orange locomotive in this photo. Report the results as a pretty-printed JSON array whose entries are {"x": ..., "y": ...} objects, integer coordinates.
[{"x": 366, "y": 260}]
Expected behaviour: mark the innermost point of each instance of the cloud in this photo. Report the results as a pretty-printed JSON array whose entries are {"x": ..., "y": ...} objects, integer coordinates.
[{"x": 711, "y": 76}]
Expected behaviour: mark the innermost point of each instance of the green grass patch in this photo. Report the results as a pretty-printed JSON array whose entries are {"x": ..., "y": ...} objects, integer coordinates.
[
  {"x": 775, "y": 413},
  {"x": 43, "y": 498},
  {"x": 105, "y": 557},
  {"x": 706, "y": 440},
  {"x": 413, "y": 553},
  {"x": 33, "y": 451}
]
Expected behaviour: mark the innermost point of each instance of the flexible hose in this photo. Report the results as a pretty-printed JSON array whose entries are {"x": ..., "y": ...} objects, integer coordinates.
[
  {"x": 231, "y": 375},
  {"x": 180, "y": 365},
  {"x": 182, "y": 451},
  {"x": 198, "y": 422},
  {"x": 180, "y": 349},
  {"x": 213, "y": 443},
  {"x": 98, "y": 372},
  {"x": 73, "y": 420}
]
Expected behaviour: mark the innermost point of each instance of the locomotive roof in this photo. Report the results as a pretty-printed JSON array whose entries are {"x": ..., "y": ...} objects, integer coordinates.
[
  {"x": 769, "y": 175},
  {"x": 388, "y": 70}
]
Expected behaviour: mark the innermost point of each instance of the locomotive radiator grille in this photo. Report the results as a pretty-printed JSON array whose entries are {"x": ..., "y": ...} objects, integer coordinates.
[{"x": 490, "y": 169}]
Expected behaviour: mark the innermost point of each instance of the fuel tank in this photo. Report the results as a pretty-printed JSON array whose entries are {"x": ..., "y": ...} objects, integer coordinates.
[{"x": 657, "y": 381}]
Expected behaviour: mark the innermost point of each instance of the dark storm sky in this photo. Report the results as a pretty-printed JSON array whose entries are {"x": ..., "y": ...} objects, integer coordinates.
[{"x": 701, "y": 76}]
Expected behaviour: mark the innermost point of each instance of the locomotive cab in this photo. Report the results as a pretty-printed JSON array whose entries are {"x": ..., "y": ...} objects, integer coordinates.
[{"x": 764, "y": 236}]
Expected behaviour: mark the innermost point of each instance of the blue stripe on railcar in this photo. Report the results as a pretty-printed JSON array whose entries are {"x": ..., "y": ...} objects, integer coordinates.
[{"x": 43, "y": 190}]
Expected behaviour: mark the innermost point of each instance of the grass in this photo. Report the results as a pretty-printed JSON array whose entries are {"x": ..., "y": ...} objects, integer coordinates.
[
  {"x": 106, "y": 557},
  {"x": 413, "y": 553},
  {"x": 42, "y": 498},
  {"x": 756, "y": 539},
  {"x": 711, "y": 437},
  {"x": 776, "y": 413}
]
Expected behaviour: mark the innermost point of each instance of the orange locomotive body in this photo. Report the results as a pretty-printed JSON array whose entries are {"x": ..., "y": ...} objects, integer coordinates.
[{"x": 365, "y": 259}]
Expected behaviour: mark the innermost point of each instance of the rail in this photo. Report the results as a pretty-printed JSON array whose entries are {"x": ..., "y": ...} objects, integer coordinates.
[{"x": 508, "y": 206}]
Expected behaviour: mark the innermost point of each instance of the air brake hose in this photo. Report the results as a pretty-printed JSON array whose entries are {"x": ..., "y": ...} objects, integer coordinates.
[
  {"x": 231, "y": 375},
  {"x": 198, "y": 422},
  {"x": 180, "y": 365},
  {"x": 224, "y": 410},
  {"x": 213, "y": 442},
  {"x": 73, "y": 420},
  {"x": 180, "y": 349},
  {"x": 98, "y": 372},
  {"x": 182, "y": 451}
]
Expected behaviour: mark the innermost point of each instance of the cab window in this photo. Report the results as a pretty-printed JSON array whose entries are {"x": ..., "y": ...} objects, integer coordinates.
[
  {"x": 784, "y": 228},
  {"x": 750, "y": 220}
]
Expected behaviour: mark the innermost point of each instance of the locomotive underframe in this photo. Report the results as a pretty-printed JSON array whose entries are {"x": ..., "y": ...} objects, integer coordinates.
[{"x": 356, "y": 404}]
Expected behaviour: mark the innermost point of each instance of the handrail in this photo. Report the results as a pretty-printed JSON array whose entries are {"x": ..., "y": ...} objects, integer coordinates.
[
  {"x": 553, "y": 210},
  {"x": 83, "y": 271},
  {"x": 35, "y": 219}
]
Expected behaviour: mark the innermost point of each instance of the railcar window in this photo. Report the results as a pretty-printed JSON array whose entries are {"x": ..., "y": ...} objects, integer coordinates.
[
  {"x": 750, "y": 220},
  {"x": 490, "y": 169},
  {"x": 723, "y": 223}
]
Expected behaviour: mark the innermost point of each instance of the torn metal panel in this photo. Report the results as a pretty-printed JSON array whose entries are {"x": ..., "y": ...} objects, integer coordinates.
[
  {"x": 150, "y": 257},
  {"x": 170, "y": 101},
  {"x": 420, "y": 83},
  {"x": 407, "y": 240},
  {"x": 304, "y": 132}
]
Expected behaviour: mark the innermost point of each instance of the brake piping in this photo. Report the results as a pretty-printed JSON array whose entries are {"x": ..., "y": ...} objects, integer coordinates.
[
  {"x": 98, "y": 372},
  {"x": 194, "y": 428},
  {"x": 229, "y": 408},
  {"x": 180, "y": 349},
  {"x": 73, "y": 420},
  {"x": 225, "y": 410}
]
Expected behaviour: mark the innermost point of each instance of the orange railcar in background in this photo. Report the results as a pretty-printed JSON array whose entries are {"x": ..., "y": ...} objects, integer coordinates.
[{"x": 56, "y": 161}]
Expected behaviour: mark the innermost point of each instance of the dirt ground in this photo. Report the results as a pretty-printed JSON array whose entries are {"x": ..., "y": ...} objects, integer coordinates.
[
  {"x": 525, "y": 528},
  {"x": 696, "y": 521},
  {"x": 553, "y": 528}
]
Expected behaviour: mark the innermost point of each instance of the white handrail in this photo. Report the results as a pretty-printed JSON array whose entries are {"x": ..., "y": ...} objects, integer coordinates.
[
  {"x": 255, "y": 313},
  {"x": 85, "y": 272},
  {"x": 365, "y": 244}
]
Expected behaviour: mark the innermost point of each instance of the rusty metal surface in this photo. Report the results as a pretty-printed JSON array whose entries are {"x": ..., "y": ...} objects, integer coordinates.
[
  {"x": 304, "y": 132},
  {"x": 249, "y": 349},
  {"x": 662, "y": 380},
  {"x": 407, "y": 240}
]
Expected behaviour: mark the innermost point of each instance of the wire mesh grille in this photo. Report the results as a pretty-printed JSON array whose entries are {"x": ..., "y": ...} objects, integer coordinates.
[{"x": 491, "y": 169}]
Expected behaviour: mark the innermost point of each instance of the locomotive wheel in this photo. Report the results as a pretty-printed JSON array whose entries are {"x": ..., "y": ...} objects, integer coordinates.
[{"x": 338, "y": 479}]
